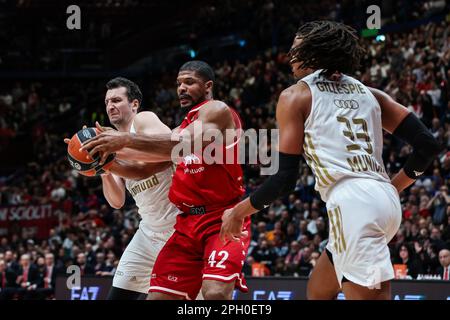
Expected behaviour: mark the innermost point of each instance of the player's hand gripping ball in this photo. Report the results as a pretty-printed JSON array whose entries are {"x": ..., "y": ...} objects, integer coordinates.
[{"x": 81, "y": 160}]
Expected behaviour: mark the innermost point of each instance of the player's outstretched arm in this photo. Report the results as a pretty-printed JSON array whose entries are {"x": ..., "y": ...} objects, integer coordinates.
[
  {"x": 113, "y": 183},
  {"x": 397, "y": 120},
  {"x": 290, "y": 117},
  {"x": 113, "y": 190},
  {"x": 157, "y": 146},
  {"x": 214, "y": 118},
  {"x": 153, "y": 144},
  {"x": 147, "y": 123}
]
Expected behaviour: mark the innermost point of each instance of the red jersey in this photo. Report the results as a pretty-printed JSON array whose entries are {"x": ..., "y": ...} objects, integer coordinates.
[{"x": 203, "y": 191}]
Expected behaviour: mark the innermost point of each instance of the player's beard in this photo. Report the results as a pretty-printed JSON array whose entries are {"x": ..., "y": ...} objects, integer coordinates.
[{"x": 185, "y": 110}]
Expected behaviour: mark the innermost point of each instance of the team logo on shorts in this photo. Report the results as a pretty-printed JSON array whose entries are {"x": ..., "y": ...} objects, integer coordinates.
[
  {"x": 172, "y": 278},
  {"x": 191, "y": 159}
]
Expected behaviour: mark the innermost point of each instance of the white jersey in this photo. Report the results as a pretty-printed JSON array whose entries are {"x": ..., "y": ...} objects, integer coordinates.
[
  {"x": 343, "y": 133},
  {"x": 151, "y": 197}
]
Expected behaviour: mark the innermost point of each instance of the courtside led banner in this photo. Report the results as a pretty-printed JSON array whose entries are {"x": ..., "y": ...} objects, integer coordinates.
[{"x": 267, "y": 288}]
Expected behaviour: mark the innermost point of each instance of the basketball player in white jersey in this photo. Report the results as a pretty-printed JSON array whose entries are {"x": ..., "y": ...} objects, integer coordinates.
[
  {"x": 336, "y": 122},
  {"x": 150, "y": 192}
]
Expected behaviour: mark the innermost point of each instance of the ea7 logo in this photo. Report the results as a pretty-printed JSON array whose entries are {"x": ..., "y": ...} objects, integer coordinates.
[
  {"x": 272, "y": 295},
  {"x": 172, "y": 278},
  {"x": 85, "y": 293}
]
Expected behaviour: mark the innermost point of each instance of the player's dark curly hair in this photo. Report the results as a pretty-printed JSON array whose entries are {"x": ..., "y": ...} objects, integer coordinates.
[{"x": 328, "y": 45}]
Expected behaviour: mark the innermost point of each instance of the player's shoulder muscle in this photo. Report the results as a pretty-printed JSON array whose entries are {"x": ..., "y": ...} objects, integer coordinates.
[
  {"x": 214, "y": 108},
  {"x": 217, "y": 112},
  {"x": 295, "y": 101},
  {"x": 147, "y": 122}
]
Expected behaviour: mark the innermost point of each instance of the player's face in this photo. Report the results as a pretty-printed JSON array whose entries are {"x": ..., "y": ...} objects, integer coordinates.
[
  {"x": 298, "y": 72},
  {"x": 192, "y": 89},
  {"x": 118, "y": 108}
]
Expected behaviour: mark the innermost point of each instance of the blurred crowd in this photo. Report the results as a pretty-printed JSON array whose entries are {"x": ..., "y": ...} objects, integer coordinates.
[
  {"x": 289, "y": 236},
  {"x": 44, "y": 43}
]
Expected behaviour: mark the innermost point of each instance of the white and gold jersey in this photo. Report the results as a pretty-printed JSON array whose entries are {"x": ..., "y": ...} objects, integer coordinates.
[
  {"x": 343, "y": 133},
  {"x": 151, "y": 197}
]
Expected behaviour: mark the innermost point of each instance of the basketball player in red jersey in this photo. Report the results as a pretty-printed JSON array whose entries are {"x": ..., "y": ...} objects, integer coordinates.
[{"x": 194, "y": 258}]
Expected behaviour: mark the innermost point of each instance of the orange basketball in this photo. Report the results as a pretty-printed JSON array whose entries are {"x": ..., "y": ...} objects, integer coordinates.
[{"x": 81, "y": 160}]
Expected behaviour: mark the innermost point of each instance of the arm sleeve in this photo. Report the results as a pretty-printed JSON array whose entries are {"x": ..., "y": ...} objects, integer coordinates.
[
  {"x": 278, "y": 184},
  {"x": 425, "y": 146}
]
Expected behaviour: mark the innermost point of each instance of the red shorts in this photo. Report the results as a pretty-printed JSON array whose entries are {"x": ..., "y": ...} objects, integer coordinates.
[{"x": 184, "y": 262}]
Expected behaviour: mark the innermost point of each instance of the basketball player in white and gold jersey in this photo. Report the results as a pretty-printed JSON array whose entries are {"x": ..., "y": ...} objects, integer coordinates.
[
  {"x": 150, "y": 192},
  {"x": 336, "y": 122}
]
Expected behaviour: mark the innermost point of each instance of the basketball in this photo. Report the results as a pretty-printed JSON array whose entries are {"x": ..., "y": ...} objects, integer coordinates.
[{"x": 81, "y": 160}]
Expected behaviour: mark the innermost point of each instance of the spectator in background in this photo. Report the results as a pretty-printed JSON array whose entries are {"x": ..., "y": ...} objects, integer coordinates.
[
  {"x": 438, "y": 205},
  {"x": 11, "y": 262},
  {"x": 435, "y": 239},
  {"x": 446, "y": 231},
  {"x": 7, "y": 281},
  {"x": 444, "y": 259},
  {"x": 305, "y": 266},
  {"x": 29, "y": 278},
  {"x": 50, "y": 273},
  {"x": 260, "y": 229},
  {"x": 279, "y": 269},
  {"x": 111, "y": 263},
  {"x": 406, "y": 257},
  {"x": 85, "y": 268},
  {"x": 303, "y": 230},
  {"x": 247, "y": 267},
  {"x": 280, "y": 246},
  {"x": 254, "y": 268},
  {"x": 292, "y": 260},
  {"x": 265, "y": 253},
  {"x": 101, "y": 268}
]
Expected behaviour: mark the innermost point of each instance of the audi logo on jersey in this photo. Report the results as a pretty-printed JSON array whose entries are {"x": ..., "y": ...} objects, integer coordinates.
[
  {"x": 346, "y": 104},
  {"x": 191, "y": 159}
]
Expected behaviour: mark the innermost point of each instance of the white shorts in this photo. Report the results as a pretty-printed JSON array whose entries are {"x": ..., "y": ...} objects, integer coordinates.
[
  {"x": 364, "y": 215},
  {"x": 136, "y": 264}
]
